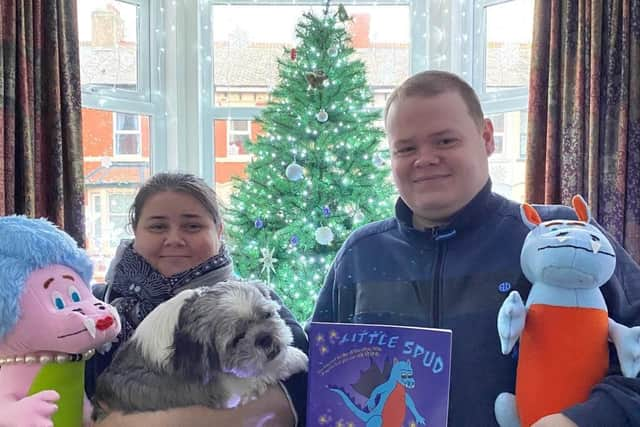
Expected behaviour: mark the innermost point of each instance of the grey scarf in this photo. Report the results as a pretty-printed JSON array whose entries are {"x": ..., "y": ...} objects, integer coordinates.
[{"x": 135, "y": 287}]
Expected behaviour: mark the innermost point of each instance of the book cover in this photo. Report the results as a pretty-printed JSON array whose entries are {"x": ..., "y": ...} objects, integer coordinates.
[{"x": 377, "y": 375}]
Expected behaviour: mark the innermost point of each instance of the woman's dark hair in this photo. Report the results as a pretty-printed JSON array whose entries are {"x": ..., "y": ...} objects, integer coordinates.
[{"x": 179, "y": 183}]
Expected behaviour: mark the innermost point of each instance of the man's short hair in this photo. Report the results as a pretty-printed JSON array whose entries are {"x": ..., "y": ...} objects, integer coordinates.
[{"x": 432, "y": 83}]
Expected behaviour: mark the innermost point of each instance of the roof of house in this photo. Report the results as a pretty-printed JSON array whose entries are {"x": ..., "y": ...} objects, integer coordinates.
[
  {"x": 252, "y": 66},
  {"x": 120, "y": 173}
]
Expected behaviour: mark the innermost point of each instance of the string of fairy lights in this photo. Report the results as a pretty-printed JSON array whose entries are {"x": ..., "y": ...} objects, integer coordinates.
[{"x": 317, "y": 171}]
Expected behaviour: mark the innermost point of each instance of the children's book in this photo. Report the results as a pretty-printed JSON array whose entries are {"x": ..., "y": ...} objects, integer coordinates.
[{"x": 378, "y": 375}]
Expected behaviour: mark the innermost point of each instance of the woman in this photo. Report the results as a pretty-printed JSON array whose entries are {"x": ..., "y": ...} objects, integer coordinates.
[{"x": 177, "y": 244}]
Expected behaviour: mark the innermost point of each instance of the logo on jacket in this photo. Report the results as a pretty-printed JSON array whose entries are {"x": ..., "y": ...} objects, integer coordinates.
[{"x": 504, "y": 287}]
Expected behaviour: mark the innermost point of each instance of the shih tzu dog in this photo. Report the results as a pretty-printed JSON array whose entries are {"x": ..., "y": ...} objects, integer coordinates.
[{"x": 218, "y": 346}]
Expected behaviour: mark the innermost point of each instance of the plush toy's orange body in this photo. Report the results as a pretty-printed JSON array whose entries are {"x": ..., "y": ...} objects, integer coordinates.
[{"x": 554, "y": 338}]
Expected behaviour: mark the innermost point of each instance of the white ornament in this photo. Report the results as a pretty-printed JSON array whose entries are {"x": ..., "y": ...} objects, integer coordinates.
[
  {"x": 358, "y": 217},
  {"x": 268, "y": 261},
  {"x": 324, "y": 235},
  {"x": 294, "y": 172},
  {"x": 332, "y": 51},
  {"x": 322, "y": 116}
]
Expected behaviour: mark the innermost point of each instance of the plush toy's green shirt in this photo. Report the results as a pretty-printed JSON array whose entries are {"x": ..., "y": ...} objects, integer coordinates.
[{"x": 68, "y": 380}]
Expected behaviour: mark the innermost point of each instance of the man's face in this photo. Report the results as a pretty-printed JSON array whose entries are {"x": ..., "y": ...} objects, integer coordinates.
[{"x": 439, "y": 155}]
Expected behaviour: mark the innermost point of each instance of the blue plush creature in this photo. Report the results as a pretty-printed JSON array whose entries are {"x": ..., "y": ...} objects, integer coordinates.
[{"x": 564, "y": 327}]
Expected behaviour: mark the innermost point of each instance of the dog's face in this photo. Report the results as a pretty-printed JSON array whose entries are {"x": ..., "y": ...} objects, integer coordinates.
[{"x": 232, "y": 327}]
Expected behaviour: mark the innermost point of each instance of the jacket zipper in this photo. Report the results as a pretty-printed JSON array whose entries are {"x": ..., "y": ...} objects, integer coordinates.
[{"x": 437, "y": 275}]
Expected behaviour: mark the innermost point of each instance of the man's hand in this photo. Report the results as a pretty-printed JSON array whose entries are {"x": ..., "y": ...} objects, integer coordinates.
[
  {"x": 554, "y": 420},
  {"x": 272, "y": 409}
]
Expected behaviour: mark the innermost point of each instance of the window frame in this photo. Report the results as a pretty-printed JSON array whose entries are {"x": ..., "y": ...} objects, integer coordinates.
[{"x": 137, "y": 132}]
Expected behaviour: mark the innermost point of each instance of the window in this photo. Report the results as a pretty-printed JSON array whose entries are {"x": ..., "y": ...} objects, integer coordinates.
[
  {"x": 95, "y": 218},
  {"x": 523, "y": 134},
  {"x": 238, "y": 135},
  {"x": 246, "y": 41},
  {"x": 109, "y": 48},
  {"x": 498, "y": 132},
  {"x": 137, "y": 57},
  {"x": 120, "y": 112},
  {"x": 507, "y": 44},
  {"x": 502, "y": 48},
  {"x": 119, "y": 204},
  {"x": 126, "y": 135}
]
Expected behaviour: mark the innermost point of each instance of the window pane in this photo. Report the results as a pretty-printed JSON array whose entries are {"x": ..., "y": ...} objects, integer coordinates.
[
  {"x": 248, "y": 40},
  {"x": 127, "y": 144},
  {"x": 110, "y": 182},
  {"x": 127, "y": 121},
  {"x": 509, "y": 28},
  {"x": 240, "y": 125},
  {"x": 119, "y": 203},
  {"x": 95, "y": 220},
  {"x": 506, "y": 165},
  {"x": 498, "y": 132},
  {"x": 524, "y": 122},
  {"x": 108, "y": 33},
  {"x": 118, "y": 228},
  {"x": 229, "y": 161}
]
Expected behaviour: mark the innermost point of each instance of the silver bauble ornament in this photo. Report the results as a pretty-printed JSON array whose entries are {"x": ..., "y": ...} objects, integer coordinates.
[
  {"x": 294, "y": 172},
  {"x": 324, "y": 235},
  {"x": 322, "y": 116}
]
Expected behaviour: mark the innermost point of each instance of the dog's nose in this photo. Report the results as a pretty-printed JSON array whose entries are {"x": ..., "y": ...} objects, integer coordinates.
[{"x": 264, "y": 341}]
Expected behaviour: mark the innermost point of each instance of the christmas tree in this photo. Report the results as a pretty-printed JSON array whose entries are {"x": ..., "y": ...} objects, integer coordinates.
[{"x": 317, "y": 172}]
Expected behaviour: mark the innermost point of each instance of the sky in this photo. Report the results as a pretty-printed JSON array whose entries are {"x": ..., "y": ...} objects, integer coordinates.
[
  {"x": 388, "y": 23},
  {"x": 509, "y": 21}
]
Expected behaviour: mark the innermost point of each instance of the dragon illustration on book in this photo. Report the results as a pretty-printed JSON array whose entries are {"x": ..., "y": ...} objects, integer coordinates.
[{"x": 386, "y": 392}]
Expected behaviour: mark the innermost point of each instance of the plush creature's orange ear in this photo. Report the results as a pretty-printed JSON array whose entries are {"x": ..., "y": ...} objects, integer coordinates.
[
  {"x": 529, "y": 215},
  {"x": 581, "y": 208}
]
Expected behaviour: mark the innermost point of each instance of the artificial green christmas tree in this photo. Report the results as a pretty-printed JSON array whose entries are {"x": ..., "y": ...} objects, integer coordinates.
[{"x": 317, "y": 171}]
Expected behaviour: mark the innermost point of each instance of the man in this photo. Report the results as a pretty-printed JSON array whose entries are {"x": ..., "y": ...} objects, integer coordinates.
[{"x": 451, "y": 255}]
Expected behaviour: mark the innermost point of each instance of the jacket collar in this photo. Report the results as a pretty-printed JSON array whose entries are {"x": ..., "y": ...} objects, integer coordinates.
[{"x": 474, "y": 213}]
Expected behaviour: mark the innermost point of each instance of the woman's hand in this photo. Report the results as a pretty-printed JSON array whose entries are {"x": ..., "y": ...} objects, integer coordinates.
[
  {"x": 272, "y": 409},
  {"x": 554, "y": 420}
]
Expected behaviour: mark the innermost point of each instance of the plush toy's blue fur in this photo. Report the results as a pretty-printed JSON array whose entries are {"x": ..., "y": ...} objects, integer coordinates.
[{"x": 27, "y": 245}]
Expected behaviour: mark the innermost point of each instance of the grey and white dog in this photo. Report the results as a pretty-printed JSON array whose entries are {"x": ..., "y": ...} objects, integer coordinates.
[{"x": 217, "y": 346}]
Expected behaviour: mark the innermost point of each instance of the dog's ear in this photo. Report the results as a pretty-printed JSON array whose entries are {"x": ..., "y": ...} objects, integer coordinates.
[
  {"x": 193, "y": 360},
  {"x": 187, "y": 356}
]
